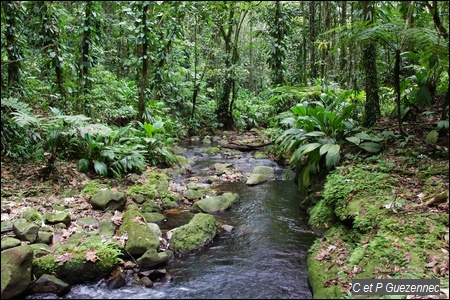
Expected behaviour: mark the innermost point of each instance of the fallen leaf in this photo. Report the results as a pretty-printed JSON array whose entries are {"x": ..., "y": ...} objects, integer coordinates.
[
  {"x": 431, "y": 264},
  {"x": 407, "y": 257},
  {"x": 91, "y": 256},
  {"x": 436, "y": 270},
  {"x": 64, "y": 258},
  {"x": 117, "y": 218}
]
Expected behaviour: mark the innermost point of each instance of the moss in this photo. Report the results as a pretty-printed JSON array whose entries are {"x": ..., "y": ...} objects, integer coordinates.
[
  {"x": 378, "y": 241},
  {"x": 78, "y": 269},
  {"x": 93, "y": 187},
  {"x": 196, "y": 234},
  {"x": 143, "y": 192},
  {"x": 321, "y": 215}
]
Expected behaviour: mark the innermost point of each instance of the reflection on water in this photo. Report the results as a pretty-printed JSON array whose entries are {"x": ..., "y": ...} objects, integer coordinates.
[{"x": 265, "y": 257}]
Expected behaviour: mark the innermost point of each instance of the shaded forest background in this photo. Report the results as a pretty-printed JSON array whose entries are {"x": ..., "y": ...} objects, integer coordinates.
[{"x": 113, "y": 84}]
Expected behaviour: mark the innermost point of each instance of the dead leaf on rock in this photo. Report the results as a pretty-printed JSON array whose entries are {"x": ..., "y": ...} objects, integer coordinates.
[
  {"x": 407, "y": 257},
  {"x": 91, "y": 256},
  {"x": 64, "y": 258},
  {"x": 139, "y": 220},
  {"x": 431, "y": 264}
]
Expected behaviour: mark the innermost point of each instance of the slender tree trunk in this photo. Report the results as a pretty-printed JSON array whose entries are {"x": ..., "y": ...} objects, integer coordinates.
[
  {"x": 85, "y": 59},
  {"x": 312, "y": 32},
  {"x": 144, "y": 56},
  {"x": 279, "y": 80},
  {"x": 12, "y": 49},
  {"x": 304, "y": 48},
  {"x": 372, "y": 106},
  {"x": 343, "y": 55}
]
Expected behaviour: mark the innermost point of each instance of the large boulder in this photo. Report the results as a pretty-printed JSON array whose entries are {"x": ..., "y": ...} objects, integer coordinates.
[
  {"x": 141, "y": 237},
  {"x": 215, "y": 203},
  {"x": 195, "y": 235},
  {"x": 16, "y": 270},
  {"x": 109, "y": 200}
]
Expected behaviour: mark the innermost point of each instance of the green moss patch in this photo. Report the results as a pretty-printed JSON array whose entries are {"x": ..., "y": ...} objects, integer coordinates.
[{"x": 375, "y": 234}]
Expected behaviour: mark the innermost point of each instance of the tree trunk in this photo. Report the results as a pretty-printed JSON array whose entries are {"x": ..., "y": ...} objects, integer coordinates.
[
  {"x": 372, "y": 106},
  {"x": 12, "y": 48},
  {"x": 312, "y": 32},
  {"x": 85, "y": 61},
  {"x": 143, "y": 79}
]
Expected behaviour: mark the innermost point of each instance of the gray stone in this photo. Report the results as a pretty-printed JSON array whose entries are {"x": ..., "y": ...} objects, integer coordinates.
[
  {"x": 228, "y": 228},
  {"x": 32, "y": 215},
  {"x": 269, "y": 172},
  {"x": 212, "y": 179},
  {"x": 255, "y": 179},
  {"x": 44, "y": 237},
  {"x": 55, "y": 218},
  {"x": 40, "y": 249},
  {"x": 25, "y": 231},
  {"x": 151, "y": 258},
  {"x": 155, "y": 228},
  {"x": 145, "y": 281},
  {"x": 49, "y": 284},
  {"x": 109, "y": 200},
  {"x": 10, "y": 242},
  {"x": 16, "y": 270},
  {"x": 154, "y": 217},
  {"x": 88, "y": 222},
  {"x": 106, "y": 228},
  {"x": 215, "y": 203},
  {"x": 192, "y": 194},
  {"x": 116, "y": 282}
]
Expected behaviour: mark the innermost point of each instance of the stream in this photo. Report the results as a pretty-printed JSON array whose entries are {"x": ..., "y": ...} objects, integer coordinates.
[{"x": 264, "y": 257}]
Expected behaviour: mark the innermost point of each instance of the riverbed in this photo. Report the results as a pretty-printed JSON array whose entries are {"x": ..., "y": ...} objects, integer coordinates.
[{"x": 264, "y": 257}]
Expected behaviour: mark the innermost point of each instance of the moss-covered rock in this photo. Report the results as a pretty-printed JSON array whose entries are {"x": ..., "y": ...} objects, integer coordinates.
[
  {"x": 25, "y": 230},
  {"x": 372, "y": 234},
  {"x": 93, "y": 187},
  {"x": 154, "y": 217},
  {"x": 140, "y": 237},
  {"x": 143, "y": 192},
  {"x": 215, "y": 204},
  {"x": 109, "y": 200},
  {"x": 152, "y": 258},
  {"x": 88, "y": 262},
  {"x": 195, "y": 235},
  {"x": 16, "y": 270},
  {"x": 150, "y": 206},
  {"x": 9, "y": 242}
]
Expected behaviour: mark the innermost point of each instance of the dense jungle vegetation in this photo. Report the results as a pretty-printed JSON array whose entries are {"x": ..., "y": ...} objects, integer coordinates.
[{"x": 111, "y": 86}]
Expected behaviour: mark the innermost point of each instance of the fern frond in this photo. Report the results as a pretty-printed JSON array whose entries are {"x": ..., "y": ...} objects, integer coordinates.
[
  {"x": 23, "y": 119},
  {"x": 15, "y": 105}
]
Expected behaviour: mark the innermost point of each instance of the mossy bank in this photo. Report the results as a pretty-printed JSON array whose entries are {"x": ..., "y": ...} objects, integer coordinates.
[{"x": 379, "y": 221}]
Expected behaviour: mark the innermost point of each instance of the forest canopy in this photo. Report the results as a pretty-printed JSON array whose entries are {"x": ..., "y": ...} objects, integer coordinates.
[{"x": 114, "y": 83}]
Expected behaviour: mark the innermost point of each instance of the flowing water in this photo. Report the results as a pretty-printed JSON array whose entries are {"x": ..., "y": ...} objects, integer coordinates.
[{"x": 264, "y": 257}]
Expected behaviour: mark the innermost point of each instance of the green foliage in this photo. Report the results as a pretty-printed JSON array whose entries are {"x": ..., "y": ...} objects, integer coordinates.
[
  {"x": 314, "y": 135},
  {"x": 156, "y": 143},
  {"x": 250, "y": 111},
  {"x": 110, "y": 154}
]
